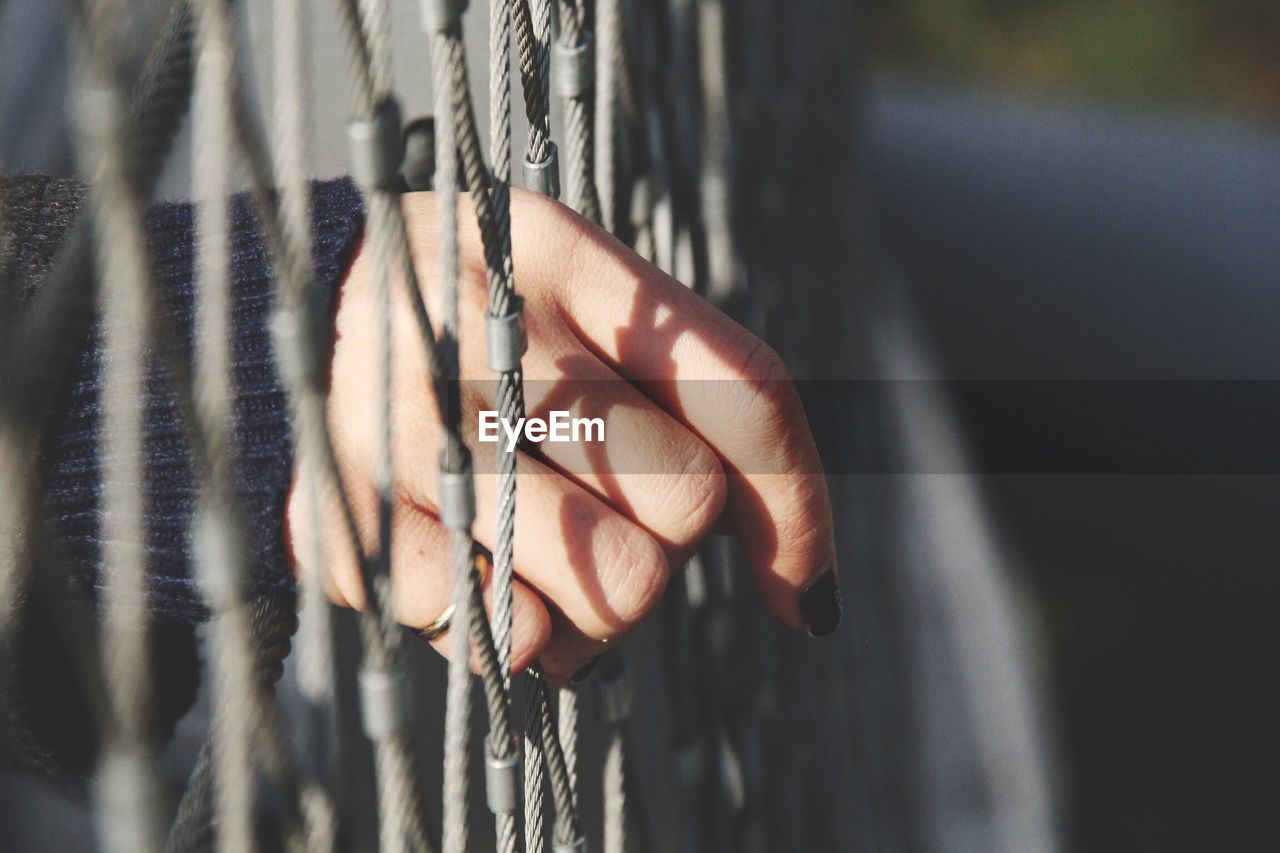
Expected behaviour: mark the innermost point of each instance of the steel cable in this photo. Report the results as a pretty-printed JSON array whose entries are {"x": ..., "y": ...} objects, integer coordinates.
[
  {"x": 127, "y": 785},
  {"x": 315, "y": 655},
  {"x": 219, "y": 559},
  {"x": 207, "y": 450},
  {"x": 272, "y": 623},
  {"x": 532, "y": 19},
  {"x": 579, "y": 133},
  {"x": 400, "y": 816},
  {"x": 457, "y": 700},
  {"x": 39, "y": 350},
  {"x": 502, "y": 742}
]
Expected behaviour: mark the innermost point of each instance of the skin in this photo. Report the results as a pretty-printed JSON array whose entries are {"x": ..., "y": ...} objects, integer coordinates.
[{"x": 594, "y": 548}]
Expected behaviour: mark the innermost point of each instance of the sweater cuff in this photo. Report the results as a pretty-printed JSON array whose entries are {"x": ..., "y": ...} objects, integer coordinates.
[{"x": 262, "y": 424}]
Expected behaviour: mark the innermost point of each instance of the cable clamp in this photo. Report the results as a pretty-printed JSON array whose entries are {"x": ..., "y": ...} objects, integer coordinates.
[
  {"x": 574, "y": 71},
  {"x": 502, "y": 782},
  {"x": 377, "y": 148},
  {"x": 384, "y": 703},
  {"x": 505, "y": 337},
  {"x": 544, "y": 176},
  {"x": 457, "y": 497},
  {"x": 440, "y": 16}
]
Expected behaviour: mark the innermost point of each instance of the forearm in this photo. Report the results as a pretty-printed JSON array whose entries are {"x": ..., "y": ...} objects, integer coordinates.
[{"x": 39, "y": 212}]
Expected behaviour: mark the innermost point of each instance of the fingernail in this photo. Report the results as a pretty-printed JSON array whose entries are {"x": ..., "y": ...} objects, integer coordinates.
[
  {"x": 581, "y": 675},
  {"x": 820, "y": 604}
]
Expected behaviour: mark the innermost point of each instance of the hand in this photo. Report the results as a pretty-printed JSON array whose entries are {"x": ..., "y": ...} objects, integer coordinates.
[{"x": 699, "y": 415}]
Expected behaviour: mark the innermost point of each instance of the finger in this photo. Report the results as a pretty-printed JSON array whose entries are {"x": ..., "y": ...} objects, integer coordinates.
[
  {"x": 420, "y": 577},
  {"x": 569, "y": 654},
  {"x": 530, "y": 627},
  {"x": 600, "y": 569},
  {"x": 713, "y": 376},
  {"x": 651, "y": 469}
]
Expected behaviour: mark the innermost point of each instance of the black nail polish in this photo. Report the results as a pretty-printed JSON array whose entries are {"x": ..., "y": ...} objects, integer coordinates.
[
  {"x": 820, "y": 604},
  {"x": 581, "y": 675}
]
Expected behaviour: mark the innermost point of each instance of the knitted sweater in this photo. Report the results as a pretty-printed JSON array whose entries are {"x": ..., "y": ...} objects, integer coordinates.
[{"x": 37, "y": 212}]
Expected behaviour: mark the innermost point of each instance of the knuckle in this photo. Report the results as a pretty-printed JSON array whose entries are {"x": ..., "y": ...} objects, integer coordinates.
[
  {"x": 562, "y": 232},
  {"x": 760, "y": 362},
  {"x": 693, "y": 495},
  {"x": 635, "y": 572},
  {"x": 803, "y": 528},
  {"x": 771, "y": 406}
]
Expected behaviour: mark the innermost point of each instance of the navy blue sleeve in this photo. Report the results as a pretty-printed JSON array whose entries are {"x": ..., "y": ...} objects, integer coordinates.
[{"x": 261, "y": 410}]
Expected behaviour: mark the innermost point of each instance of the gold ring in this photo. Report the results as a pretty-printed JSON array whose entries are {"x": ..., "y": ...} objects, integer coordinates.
[
  {"x": 438, "y": 626},
  {"x": 482, "y": 565}
]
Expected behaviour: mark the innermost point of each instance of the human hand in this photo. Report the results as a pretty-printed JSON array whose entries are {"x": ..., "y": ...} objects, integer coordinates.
[{"x": 711, "y": 428}]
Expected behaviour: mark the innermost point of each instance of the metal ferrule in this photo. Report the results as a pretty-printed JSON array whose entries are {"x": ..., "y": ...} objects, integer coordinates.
[
  {"x": 574, "y": 72},
  {"x": 575, "y": 68},
  {"x": 544, "y": 176},
  {"x": 384, "y": 703},
  {"x": 377, "y": 148},
  {"x": 442, "y": 15},
  {"x": 457, "y": 499},
  {"x": 505, "y": 338},
  {"x": 502, "y": 782}
]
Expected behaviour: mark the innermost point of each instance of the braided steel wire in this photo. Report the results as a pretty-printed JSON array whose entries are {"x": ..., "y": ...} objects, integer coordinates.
[
  {"x": 400, "y": 816},
  {"x": 492, "y": 213},
  {"x": 207, "y": 454},
  {"x": 579, "y": 129},
  {"x": 286, "y": 227},
  {"x": 613, "y": 86},
  {"x": 615, "y": 794},
  {"x": 568, "y": 719},
  {"x": 500, "y": 124},
  {"x": 568, "y": 828},
  {"x": 62, "y": 309},
  {"x": 367, "y": 98},
  {"x": 315, "y": 653},
  {"x": 219, "y": 558},
  {"x": 716, "y": 154},
  {"x": 502, "y": 741},
  {"x": 534, "y": 758},
  {"x": 500, "y": 154},
  {"x": 575, "y": 34},
  {"x": 457, "y": 698},
  {"x": 609, "y": 64},
  {"x": 532, "y": 19},
  {"x": 127, "y": 787},
  {"x": 272, "y": 622},
  {"x": 533, "y": 34}
]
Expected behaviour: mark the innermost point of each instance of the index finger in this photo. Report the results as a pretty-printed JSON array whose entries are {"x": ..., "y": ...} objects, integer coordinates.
[{"x": 715, "y": 377}]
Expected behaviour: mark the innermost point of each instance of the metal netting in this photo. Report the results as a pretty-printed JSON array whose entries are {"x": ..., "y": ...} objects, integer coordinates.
[{"x": 646, "y": 152}]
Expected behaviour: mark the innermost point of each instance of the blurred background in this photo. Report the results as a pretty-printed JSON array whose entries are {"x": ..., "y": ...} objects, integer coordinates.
[
  {"x": 1090, "y": 190},
  {"x": 1220, "y": 57}
]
